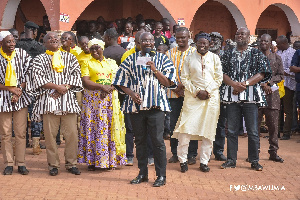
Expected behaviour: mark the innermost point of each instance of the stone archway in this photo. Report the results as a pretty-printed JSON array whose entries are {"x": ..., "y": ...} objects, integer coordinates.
[
  {"x": 218, "y": 16},
  {"x": 236, "y": 13},
  {"x": 292, "y": 18},
  {"x": 9, "y": 14}
]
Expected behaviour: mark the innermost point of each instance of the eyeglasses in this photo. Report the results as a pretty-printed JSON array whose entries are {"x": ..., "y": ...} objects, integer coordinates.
[{"x": 147, "y": 41}]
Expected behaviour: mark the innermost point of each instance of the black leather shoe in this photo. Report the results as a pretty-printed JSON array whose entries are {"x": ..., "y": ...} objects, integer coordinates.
[
  {"x": 160, "y": 181},
  {"x": 276, "y": 158},
  {"x": 8, "y": 170},
  {"x": 74, "y": 170},
  {"x": 22, "y": 170},
  {"x": 192, "y": 160},
  {"x": 220, "y": 157},
  {"x": 53, "y": 172},
  {"x": 183, "y": 167},
  {"x": 256, "y": 166},
  {"x": 285, "y": 137},
  {"x": 204, "y": 168},
  {"x": 228, "y": 164},
  {"x": 139, "y": 179},
  {"x": 173, "y": 159}
]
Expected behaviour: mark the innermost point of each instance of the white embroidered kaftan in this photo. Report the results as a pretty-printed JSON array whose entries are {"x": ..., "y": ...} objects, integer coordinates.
[{"x": 199, "y": 117}]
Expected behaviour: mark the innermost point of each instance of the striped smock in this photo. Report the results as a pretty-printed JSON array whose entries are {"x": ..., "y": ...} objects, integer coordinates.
[
  {"x": 41, "y": 73},
  {"x": 20, "y": 63},
  {"x": 144, "y": 82}
]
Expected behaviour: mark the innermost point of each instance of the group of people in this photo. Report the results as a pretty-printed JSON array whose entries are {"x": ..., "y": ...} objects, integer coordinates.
[{"x": 127, "y": 85}]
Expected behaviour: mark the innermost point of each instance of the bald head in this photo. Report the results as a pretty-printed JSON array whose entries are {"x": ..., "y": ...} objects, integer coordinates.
[
  {"x": 48, "y": 35},
  {"x": 242, "y": 38},
  {"x": 146, "y": 35},
  {"x": 244, "y": 29},
  {"x": 51, "y": 41},
  {"x": 146, "y": 41}
]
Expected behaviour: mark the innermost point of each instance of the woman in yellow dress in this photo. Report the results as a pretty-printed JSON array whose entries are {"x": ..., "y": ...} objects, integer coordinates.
[{"x": 102, "y": 129}]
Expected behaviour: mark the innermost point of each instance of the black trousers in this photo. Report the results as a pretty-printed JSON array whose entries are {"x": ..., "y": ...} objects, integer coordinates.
[{"x": 150, "y": 122}]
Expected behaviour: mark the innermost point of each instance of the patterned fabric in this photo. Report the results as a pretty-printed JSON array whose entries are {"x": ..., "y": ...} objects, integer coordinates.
[
  {"x": 296, "y": 62},
  {"x": 178, "y": 57},
  {"x": 273, "y": 99},
  {"x": 20, "y": 63},
  {"x": 240, "y": 66},
  {"x": 143, "y": 81},
  {"x": 95, "y": 145},
  {"x": 286, "y": 56},
  {"x": 41, "y": 73},
  {"x": 102, "y": 136}
]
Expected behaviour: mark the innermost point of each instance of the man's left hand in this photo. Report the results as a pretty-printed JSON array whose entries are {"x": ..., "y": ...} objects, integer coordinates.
[{"x": 179, "y": 90}]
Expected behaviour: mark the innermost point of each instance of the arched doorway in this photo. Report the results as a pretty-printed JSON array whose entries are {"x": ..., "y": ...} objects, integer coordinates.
[
  {"x": 117, "y": 9},
  {"x": 278, "y": 19},
  {"x": 218, "y": 16},
  {"x": 273, "y": 21},
  {"x": 27, "y": 6},
  {"x": 13, "y": 19}
]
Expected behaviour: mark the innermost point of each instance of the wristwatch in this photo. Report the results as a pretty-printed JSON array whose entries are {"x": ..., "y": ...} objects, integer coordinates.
[
  {"x": 68, "y": 87},
  {"x": 155, "y": 72},
  {"x": 21, "y": 87},
  {"x": 247, "y": 83}
]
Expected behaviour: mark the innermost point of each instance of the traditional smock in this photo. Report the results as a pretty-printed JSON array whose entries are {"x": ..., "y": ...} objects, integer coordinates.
[
  {"x": 41, "y": 72},
  {"x": 199, "y": 117},
  {"x": 20, "y": 63},
  {"x": 102, "y": 127}
]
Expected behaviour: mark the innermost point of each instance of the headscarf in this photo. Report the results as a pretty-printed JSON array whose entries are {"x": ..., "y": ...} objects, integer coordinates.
[
  {"x": 97, "y": 42},
  {"x": 4, "y": 34},
  {"x": 10, "y": 75}
]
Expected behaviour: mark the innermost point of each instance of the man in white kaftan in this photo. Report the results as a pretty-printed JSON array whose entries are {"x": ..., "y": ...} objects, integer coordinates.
[{"x": 202, "y": 76}]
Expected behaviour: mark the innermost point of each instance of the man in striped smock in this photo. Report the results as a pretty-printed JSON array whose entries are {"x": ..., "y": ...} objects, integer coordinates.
[
  {"x": 13, "y": 102},
  {"x": 56, "y": 78},
  {"x": 144, "y": 80},
  {"x": 177, "y": 55}
]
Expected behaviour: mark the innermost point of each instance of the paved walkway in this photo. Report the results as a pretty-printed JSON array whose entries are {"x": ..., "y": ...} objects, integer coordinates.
[{"x": 276, "y": 181}]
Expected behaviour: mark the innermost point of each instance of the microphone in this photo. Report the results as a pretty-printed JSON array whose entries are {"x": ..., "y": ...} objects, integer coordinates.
[{"x": 147, "y": 52}]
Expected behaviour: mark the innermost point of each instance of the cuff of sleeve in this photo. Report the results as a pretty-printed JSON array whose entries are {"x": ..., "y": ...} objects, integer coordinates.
[
  {"x": 211, "y": 86},
  {"x": 196, "y": 92}
]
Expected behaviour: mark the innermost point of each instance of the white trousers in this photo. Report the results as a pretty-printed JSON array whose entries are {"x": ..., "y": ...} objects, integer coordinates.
[{"x": 183, "y": 145}]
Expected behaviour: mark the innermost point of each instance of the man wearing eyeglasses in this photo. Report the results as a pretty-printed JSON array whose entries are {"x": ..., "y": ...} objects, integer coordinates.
[
  {"x": 54, "y": 77},
  {"x": 144, "y": 79}
]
